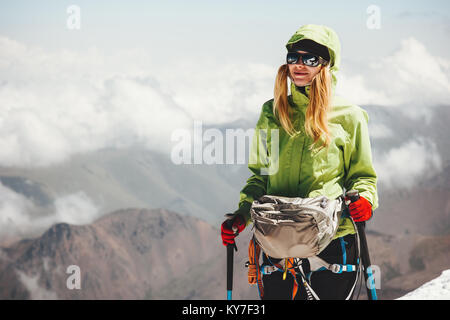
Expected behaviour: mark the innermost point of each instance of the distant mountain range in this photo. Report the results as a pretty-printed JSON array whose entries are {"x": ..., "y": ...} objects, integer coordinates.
[
  {"x": 128, "y": 254},
  {"x": 158, "y": 254}
]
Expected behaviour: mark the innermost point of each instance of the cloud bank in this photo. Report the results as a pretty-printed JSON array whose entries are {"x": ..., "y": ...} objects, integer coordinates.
[
  {"x": 403, "y": 166},
  {"x": 54, "y": 104},
  {"x": 57, "y": 103},
  {"x": 411, "y": 78},
  {"x": 31, "y": 283},
  {"x": 19, "y": 217}
]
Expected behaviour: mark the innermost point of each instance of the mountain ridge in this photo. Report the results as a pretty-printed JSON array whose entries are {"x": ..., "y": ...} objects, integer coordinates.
[{"x": 116, "y": 247}]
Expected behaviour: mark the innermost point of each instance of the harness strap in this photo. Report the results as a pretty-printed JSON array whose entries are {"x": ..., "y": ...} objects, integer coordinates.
[
  {"x": 254, "y": 272},
  {"x": 359, "y": 265},
  {"x": 310, "y": 294},
  {"x": 290, "y": 266}
]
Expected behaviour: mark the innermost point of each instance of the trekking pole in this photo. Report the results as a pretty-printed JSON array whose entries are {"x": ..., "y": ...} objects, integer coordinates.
[
  {"x": 353, "y": 195},
  {"x": 230, "y": 259}
]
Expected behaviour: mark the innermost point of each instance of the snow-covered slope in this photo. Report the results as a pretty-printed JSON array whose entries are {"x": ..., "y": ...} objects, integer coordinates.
[{"x": 437, "y": 289}]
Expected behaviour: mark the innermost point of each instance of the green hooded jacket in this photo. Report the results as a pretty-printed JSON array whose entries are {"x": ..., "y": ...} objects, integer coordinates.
[{"x": 297, "y": 171}]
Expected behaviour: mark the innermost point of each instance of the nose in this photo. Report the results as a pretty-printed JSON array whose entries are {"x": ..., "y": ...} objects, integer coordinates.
[{"x": 299, "y": 66}]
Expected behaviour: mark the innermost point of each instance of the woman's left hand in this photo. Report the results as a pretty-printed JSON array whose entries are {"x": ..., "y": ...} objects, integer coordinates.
[{"x": 360, "y": 210}]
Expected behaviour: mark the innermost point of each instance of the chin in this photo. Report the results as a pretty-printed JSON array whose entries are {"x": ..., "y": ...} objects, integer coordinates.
[{"x": 302, "y": 83}]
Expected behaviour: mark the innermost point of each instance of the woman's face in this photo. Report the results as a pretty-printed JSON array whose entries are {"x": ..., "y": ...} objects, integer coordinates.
[{"x": 302, "y": 75}]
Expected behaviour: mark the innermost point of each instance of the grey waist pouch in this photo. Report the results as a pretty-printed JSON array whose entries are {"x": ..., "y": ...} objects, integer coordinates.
[{"x": 295, "y": 227}]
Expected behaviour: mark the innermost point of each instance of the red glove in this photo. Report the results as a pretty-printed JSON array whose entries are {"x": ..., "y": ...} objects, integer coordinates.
[
  {"x": 228, "y": 234},
  {"x": 360, "y": 210}
]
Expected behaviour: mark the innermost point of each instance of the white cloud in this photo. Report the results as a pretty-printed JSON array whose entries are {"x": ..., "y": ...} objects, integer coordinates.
[
  {"x": 31, "y": 283},
  {"x": 76, "y": 208},
  {"x": 357, "y": 90},
  {"x": 380, "y": 131},
  {"x": 57, "y": 103},
  {"x": 54, "y": 104},
  {"x": 14, "y": 208},
  {"x": 410, "y": 77},
  {"x": 402, "y": 167},
  {"x": 19, "y": 217},
  {"x": 217, "y": 93}
]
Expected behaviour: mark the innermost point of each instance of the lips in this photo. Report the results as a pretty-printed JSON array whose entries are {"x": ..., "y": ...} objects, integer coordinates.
[{"x": 300, "y": 73}]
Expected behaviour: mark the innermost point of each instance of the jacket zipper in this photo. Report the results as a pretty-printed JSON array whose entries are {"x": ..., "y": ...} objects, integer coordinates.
[{"x": 296, "y": 159}]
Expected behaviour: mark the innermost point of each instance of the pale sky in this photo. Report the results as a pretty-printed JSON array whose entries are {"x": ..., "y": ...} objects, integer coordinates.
[{"x": 228, "y": 30}]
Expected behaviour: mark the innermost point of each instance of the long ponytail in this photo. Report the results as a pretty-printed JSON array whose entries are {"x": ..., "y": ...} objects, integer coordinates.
[{"x": 281, "y": 108}]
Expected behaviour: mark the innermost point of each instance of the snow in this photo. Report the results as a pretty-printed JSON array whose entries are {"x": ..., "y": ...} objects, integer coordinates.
[{"x": 437, "y": 289}]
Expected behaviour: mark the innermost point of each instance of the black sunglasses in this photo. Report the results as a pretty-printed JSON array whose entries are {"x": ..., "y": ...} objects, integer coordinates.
[{"x": 308, "y": 59}]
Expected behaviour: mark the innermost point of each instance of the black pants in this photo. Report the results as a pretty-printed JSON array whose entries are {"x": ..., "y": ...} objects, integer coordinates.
[{"x": 326, "y": 284}]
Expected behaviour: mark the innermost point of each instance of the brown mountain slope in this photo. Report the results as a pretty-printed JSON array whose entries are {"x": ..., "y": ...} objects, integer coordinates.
[
  {"x": 428, "y": 257},
  {"x": 424, "y": 209},
  {"x": 121, "y": 256}
]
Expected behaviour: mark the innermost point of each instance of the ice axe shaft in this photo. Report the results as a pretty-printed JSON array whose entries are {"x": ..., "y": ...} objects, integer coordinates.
[
  {"x": 230, "y": 259},
  {"x": 353, "y": 195}
]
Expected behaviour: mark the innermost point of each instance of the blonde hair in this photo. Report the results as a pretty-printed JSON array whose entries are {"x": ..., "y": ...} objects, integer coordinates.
[{"x": 316, "y": 118}]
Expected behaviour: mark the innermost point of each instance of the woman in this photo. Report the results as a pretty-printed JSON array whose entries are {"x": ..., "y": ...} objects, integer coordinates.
[{"x": 324, "y": 147}]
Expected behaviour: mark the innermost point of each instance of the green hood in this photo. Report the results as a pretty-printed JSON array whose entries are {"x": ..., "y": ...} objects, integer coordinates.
[{"x": 324, "y": 36}]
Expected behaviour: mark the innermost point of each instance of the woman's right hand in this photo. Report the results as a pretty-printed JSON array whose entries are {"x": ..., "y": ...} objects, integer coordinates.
[{"x": 231, "y": 228}]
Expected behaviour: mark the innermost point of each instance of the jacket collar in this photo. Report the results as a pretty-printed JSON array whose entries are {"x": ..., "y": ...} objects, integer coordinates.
[{"x": 300, "y": 100}]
